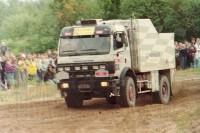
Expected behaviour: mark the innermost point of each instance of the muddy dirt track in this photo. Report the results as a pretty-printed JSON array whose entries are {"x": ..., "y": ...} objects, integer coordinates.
[{"x": 182, "y": 114}]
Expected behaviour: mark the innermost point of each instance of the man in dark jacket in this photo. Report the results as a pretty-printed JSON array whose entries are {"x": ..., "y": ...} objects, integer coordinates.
[{"x": 183, "y": 56}]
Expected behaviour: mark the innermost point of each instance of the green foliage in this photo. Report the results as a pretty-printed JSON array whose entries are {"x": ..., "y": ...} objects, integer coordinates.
[
  {"x": 156, "y": 10},
  {"x": 69, "y": 11},
  {"x": 111, "y": 9},
  {"x": 179, "y": 16},
  {"x": 32, "y": 27},
  {"x": 35, "y": 26}
]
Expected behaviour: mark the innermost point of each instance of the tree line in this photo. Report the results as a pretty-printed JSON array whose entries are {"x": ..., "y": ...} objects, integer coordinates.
[{"x": 35, "y": 25}]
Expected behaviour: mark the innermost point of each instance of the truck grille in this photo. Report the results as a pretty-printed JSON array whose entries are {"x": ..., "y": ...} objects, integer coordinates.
[{"x": 89, "y": 73}]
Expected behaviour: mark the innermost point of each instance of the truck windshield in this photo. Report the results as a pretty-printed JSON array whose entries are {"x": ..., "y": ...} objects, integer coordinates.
[{"x": 79, "y": 45}]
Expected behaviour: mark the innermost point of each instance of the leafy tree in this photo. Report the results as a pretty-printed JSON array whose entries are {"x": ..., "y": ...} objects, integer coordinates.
[
  {"x": 34, "y": 27},
  {"x": 110, "y": 9},
  {"x": 69, "y": 11},
  {"x": 179, "y": 16},
  {"x": 156, "y": 10}
]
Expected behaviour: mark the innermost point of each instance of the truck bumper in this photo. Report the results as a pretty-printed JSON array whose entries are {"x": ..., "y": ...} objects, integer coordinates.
[{"x": 96, "y": 86}]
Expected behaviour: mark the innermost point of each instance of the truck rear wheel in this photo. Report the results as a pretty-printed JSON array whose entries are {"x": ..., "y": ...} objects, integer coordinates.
[
  {"x": 128, "y": 93},
  {"x": 163, "y": 96},
  {"x": 74, "y": 100}
]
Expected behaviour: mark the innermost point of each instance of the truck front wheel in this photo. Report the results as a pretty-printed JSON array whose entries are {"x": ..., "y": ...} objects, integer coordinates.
[
  {"x": 74, "y": 100},
  {"x": 128, "y": 93}
]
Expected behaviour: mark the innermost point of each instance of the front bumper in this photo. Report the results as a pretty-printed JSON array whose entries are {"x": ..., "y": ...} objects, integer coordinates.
[{"x": 89, "y": 85}]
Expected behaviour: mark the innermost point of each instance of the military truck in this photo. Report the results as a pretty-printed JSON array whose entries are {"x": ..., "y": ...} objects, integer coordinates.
[{"x": 116, "y": 60}]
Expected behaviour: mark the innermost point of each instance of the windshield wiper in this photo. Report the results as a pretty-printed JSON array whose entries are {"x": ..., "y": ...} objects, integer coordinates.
[
  {"x": 72, "y": 52},
  {"x": 97, "y": 52}
]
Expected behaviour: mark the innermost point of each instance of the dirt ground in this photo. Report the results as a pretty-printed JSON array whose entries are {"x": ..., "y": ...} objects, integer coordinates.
[{"x": 182, "y": 114}]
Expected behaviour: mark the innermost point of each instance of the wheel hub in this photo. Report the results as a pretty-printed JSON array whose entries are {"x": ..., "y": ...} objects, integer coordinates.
[
  {"x": 131, "y": 93},
  {"x": 164, "y": 90}
]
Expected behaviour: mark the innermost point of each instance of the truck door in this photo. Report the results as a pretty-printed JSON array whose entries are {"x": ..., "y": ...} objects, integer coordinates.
[{"x": 121, "y": 50}]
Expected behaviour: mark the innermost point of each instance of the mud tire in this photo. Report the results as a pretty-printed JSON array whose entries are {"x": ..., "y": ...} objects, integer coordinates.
[
  {"x": 163, "y": 95},
  {"x": 128, "y": 93},
  {"x": 74, "y": 100}
]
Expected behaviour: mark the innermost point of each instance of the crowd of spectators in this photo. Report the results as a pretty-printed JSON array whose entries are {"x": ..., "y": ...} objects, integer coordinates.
[
  {"x": 17, "y": 71},
  {"x": 187, "y": 53}
]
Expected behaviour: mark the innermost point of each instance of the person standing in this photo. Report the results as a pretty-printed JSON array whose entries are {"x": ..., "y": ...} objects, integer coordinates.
[
  {"x": 17, "y": 73},
  {"x": 31, "y": 67},
  {"x": 191, "y": 54},
  {"x": 183, "y": 56},
  {"x": 49, "y": 53},
  {"x": 195, "y": 58},
  {"x": 38, "y": 62},
  {"x": 9, "y": 70},
  {"x": 22, "y": 68},
  {"x": 4, "y": 48},
  {"x": 177, "y": 50},
  {"x": 55, "y": 57},
  {"x": 187, "y": 46},
  {"x": 50, "y": 75}
]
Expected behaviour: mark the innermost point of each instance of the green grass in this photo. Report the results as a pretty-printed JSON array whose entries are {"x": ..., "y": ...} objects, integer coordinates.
[
  {"x": 185, "y": 121},
  {"x": 188, "y": 72},
  {"x": 30, "y": 93}
]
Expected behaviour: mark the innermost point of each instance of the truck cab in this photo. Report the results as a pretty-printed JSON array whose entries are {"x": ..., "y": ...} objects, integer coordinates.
[{"x": 95, "y": 60}]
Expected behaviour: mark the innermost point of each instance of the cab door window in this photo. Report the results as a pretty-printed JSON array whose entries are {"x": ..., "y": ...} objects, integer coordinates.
[{"x": 119, "y": 40}]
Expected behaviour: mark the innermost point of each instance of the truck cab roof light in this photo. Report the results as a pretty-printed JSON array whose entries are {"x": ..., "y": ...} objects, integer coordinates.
[
  {"x": 77, "y": 68},
  {"x": 95, "y": 67},
  {"x": 85, "y": 67}
]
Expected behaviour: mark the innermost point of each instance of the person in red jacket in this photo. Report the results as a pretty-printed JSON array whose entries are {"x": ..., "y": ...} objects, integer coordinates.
[{"x": 191, "y": 54}]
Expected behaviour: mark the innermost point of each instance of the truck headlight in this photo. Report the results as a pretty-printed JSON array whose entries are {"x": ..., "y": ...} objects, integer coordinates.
[
  {"x": 102, "y": 66},
  {"x": 104, "y": 84},
  {"x": 77, "y": 68},
  {"x": 64, "y": 85},
  {"x": 67, "y": 68},
  {"x": 95, "y": 67},
  {"x": 85, "y": 67},
  {"x": 60, "y": 69}
]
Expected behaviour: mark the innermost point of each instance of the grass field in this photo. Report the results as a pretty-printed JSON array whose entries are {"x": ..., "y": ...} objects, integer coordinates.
[
  {"x": 187, "y": 121},
  {"x": 29, "y": 93},
  {"x": 188, "y": 72}
]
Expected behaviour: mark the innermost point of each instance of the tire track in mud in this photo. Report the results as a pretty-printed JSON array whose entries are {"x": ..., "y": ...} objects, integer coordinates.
[{"x": 98, "y": 116}]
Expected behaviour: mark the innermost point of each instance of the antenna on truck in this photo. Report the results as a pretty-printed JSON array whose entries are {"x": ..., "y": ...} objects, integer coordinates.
[{"x": 131, "y": 35}]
